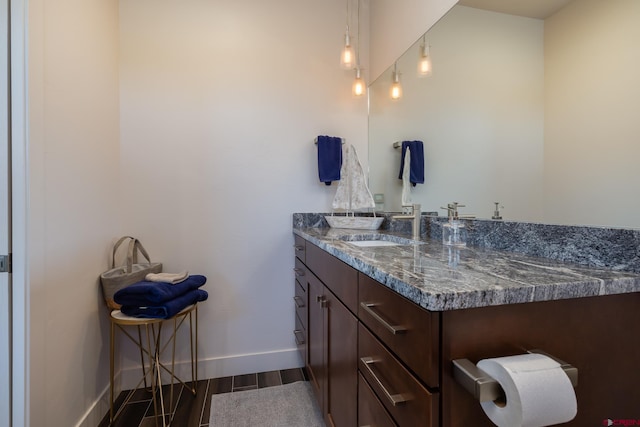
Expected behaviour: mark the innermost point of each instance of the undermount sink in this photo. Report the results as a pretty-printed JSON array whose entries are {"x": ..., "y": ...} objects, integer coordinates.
[
  {"x": 378, "y": 240},
  {"x": 373, "y": 243}
]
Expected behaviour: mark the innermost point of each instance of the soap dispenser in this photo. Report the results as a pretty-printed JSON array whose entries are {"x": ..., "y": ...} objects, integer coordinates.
[{"x": 454, "y": 232}]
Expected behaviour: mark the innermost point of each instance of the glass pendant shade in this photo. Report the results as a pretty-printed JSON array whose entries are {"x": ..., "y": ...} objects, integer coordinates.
[
  {"x": 347, "y": 56},
  {"x": 425, "y": 67},
  {"x": 396, "y": 87},
  {"x": 359, "y": 88}
]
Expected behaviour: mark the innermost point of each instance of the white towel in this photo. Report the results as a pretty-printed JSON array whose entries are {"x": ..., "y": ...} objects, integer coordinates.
[
  {"x": 172, "y": 278},
  {"x": 406, "y": 181}
]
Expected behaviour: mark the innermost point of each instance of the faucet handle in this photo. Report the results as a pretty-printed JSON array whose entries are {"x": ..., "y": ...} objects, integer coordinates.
[{"x": 452, "y": 209}]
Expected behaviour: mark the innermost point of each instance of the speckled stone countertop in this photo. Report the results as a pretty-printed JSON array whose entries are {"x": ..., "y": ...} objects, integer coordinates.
[{"x": 439, "y": 277}]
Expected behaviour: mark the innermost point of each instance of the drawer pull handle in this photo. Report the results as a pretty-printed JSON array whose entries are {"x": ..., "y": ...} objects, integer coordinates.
[
  {"x": 299, "y": 302},
  {"x": 395, "y": 399},
  {"x": 299, "y": 247},
  {"x": 397, "y": 329},
  {"x": 295, "y": 335},
  {"x": 299, "y": 272}
]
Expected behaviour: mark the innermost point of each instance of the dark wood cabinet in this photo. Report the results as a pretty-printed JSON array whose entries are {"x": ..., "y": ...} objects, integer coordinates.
[
  {"x": 376, "y": 358},
  {"x": 301, "y": 302},
  {"x": 332, "y": 337},
  {"x": 411, "y": 332},
  {"x": 598, "y": 335}
]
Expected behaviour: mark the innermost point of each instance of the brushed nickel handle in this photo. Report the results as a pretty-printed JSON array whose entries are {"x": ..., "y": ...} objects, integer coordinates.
[
  {"x": 295, "y": 336},
  {"x": 299, "y": 272},
  {"x": 298, "y": 247},
  {"x": 395, "y": 329},
  {"x": 299, "y": 301},
  {"x": 395, "y": 399}
]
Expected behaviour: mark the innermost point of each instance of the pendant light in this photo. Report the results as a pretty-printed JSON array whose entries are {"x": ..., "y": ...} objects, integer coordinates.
[
  {"x": 347, "y": 56},
  {"x": 359, "y": 87},
  {"x": 424, "y": 60},
  {"x": 396, "y": 88}
]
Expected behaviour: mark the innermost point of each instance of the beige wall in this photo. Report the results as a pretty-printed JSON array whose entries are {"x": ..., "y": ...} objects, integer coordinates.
[
  {"x": 592, "y": 98},
  {"x": 219, "y": 107},
  {"x": 73, "y": 202},
  {"x": 396, "y": 25}
]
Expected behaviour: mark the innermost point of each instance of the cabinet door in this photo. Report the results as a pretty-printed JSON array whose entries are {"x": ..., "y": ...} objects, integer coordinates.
[
  {"x": 316, "y": 339},
  {"x": 342, "y": 363}
]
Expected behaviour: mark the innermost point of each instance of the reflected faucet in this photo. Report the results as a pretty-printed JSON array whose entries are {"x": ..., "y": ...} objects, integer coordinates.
[{"x": 415, "y": 217}]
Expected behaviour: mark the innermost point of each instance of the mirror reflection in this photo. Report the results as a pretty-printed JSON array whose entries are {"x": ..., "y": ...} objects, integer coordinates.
[{"x": 537, "y": 112}]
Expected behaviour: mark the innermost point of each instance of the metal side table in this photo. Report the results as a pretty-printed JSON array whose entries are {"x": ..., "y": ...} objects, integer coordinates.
[{"x": 152, "y": 345}]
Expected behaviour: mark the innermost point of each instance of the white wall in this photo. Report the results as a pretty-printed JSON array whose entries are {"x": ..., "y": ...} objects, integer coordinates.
[
  {"x": 592, "y": 98},
  {"x": 480, "y": 116},
  {"x": 219, "y": 105},
  {"x": 74, "y": 203},
  {"x": 396, "y": 25}
]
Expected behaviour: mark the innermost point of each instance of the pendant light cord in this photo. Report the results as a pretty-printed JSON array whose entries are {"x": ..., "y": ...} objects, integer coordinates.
[{"x": 358, "y": 39}]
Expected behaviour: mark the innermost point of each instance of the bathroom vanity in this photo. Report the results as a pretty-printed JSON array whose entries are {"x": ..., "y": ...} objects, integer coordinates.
[{"x": 379, "y": 326}]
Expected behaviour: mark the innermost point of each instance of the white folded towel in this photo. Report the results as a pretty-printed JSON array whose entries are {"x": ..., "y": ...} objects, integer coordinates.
[
  {"x": 172, "y": 278},
  {"x": 406, "y": 183}
]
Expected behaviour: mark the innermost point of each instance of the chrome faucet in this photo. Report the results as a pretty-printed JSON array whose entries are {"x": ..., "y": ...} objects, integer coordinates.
[{"x": 415, "y": 217}]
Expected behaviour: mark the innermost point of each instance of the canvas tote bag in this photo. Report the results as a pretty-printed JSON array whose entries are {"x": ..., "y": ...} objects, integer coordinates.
[{"x": 131, "y": 272}]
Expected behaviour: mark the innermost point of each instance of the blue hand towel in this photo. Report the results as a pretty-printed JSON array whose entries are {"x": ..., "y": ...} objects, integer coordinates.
[
  {"x": 416, "y": 171},
  {"x": 152, "y": 293},
  {"x": 329, "y": 158},
  {"x": 167, "y": 309}
]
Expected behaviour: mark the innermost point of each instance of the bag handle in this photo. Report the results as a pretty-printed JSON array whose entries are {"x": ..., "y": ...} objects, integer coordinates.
[{"x": 132, "y": 252}]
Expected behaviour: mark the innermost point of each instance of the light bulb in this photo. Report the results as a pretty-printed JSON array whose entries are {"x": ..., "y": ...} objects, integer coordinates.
[
  {"x": 359, "y": 88},
  {"x": 424, "y": 62},
  {"x": 396, "y": 88},
  {"x": 347, "y": 56}
]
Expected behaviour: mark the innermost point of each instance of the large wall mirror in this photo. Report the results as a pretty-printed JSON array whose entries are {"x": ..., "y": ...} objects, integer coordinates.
[{"x": 537, "y": 108}]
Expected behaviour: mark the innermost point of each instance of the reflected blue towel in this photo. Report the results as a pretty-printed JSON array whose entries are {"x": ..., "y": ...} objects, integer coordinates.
[
  {"x": 167, "y": 309},
  {"x": 151, "y": 293},
  {"x": 416, "y": 171},
  {"x": 329, "y": 158}
]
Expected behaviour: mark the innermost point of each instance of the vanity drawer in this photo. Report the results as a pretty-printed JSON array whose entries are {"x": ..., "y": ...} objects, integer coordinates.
[
  {"x": 300, "y": 334},
  {"x": 370, "y": 410},
  {"x": 410, "y": 331},
  {"x": 299, "y": 247},
  {"x": 300, "y": 298},
  {"x": 339, "y": 277},
  {"x": 405, "y": 398}
]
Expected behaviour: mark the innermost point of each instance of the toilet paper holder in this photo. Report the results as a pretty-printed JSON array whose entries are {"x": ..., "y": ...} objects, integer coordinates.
[{"x": 484, "y": 388}]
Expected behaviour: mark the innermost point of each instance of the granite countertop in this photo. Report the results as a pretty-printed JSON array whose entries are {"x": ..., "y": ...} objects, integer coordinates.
[{"x": 439, "y": 277}]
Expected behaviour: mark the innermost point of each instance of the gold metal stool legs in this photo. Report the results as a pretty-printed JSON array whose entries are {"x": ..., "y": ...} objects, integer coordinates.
[{"x": 151, "y": 346}]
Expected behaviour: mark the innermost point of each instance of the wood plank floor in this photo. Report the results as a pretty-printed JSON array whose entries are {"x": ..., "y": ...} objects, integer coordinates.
[{"x": 193, "y": 411}]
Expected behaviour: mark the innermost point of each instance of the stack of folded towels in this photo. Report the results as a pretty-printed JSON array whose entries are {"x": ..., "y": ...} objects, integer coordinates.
[{"x": 161, "y": 295}]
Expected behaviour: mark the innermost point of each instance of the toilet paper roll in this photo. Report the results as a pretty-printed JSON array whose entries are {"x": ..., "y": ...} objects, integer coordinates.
[{"x": 538, "y": 392}]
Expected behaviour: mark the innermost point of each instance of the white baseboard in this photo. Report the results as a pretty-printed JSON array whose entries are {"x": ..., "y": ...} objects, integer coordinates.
[
  {"x": 96, "y": 412},
  {"x": 215, "y": 367}
]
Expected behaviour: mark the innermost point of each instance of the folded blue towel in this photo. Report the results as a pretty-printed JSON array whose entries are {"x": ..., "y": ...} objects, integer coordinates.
[
  {"x": 416, "y": 171},
  {"x": 329, "y": 158},
  {"x": 151, "y": 293},
  {"x": 167, "y": 309}
]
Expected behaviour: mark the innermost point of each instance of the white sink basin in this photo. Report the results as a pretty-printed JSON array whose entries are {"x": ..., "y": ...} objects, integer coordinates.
[{"x": 373, "y": 243}]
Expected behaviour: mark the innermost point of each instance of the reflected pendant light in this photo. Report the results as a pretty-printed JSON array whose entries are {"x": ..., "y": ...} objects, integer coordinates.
[
  {"x": 359, "y": 88},
  {"x": 396, "y": 88},
  {"x": 425, "y": 67},
  {"x": 347, "y": 56}
]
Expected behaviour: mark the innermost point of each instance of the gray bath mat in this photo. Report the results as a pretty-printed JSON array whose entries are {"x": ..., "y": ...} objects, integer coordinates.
[{"x": 289, "y": 405}]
